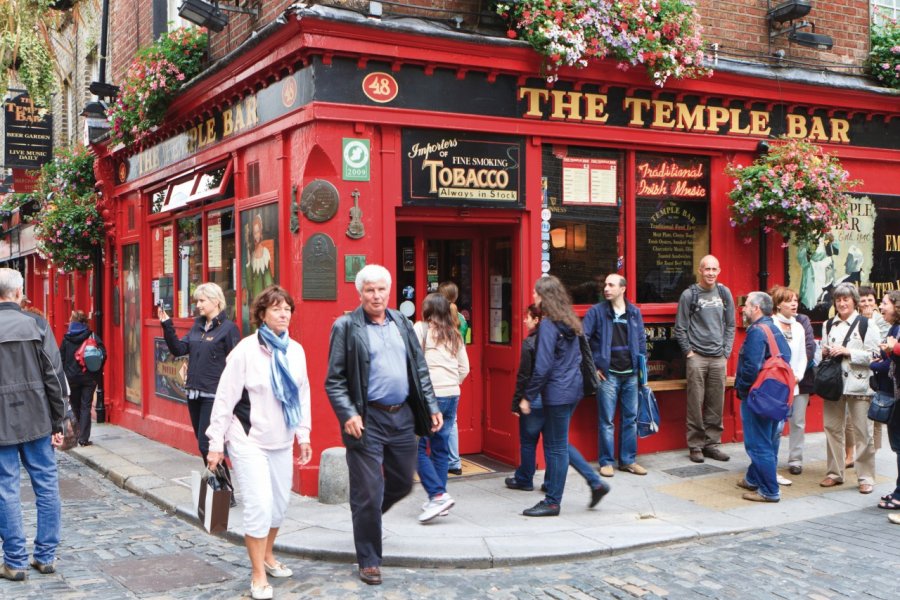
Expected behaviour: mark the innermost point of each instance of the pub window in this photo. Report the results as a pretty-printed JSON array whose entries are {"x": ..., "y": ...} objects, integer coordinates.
[
  {"x": 672, "y": 223},
  {"x": 583, "y": 240},
  {"x": 204, "y": 186},
  {"x": 195, "y": 245}
]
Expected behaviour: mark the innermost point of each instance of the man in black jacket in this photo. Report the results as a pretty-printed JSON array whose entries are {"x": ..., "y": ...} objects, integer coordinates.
[
  {"x": 379, "y": 388},
  {"x": 32, "y": 389}
]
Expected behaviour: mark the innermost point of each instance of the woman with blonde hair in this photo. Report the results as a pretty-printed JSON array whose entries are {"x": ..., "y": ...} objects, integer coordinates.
[
  {"x": 556, "y": 378},
  {"x": 210, "y": 339}
]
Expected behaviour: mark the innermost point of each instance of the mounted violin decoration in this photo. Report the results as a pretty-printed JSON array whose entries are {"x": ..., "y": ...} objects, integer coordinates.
[{"x": 356, "y": 229}]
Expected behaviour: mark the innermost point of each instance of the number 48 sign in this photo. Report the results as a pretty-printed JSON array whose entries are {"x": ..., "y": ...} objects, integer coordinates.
[{"x": 380, "y": 87}]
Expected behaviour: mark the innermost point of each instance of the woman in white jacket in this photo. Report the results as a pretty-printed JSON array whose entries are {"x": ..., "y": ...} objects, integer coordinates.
[
  {"x": 855, "y": 355},
  {"x": 261, "y": 406}
]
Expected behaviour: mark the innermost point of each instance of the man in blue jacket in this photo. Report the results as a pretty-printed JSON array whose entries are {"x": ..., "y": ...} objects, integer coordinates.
[
  {"x": 616, "y": 334},
  {"x": 761, "y": 434}
]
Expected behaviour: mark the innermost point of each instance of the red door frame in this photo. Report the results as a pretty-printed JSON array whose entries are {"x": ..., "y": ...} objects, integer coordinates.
[{"x": 492, "y": 368}]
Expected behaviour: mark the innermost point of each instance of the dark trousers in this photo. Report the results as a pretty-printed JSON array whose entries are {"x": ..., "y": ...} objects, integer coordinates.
[
  {"x": 81, "y": 398},
  {"x": 893, "y": 429},
  {"x": 200, "y": 410},
  {"x": 381, "y": 474}
]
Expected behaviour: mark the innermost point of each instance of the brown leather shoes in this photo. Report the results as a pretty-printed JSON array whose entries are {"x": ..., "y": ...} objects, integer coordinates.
[
  {"x": 829, "y": 482},
  {"x": 715, "y": 454},
  {"x": 696, "y": 455},
  {"x": 757, "y": 497},
  {"x": 370, "y": 575}
]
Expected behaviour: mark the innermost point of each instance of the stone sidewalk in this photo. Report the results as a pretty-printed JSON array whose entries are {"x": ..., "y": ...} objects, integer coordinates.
[{"x": 677, "y": 501}]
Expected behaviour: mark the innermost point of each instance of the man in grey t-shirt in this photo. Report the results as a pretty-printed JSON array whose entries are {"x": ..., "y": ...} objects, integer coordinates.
[{"x": 704, "y": 328}]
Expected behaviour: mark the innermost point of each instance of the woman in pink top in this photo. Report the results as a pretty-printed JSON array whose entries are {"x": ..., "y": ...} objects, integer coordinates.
[{"x": 261, "y": 406}]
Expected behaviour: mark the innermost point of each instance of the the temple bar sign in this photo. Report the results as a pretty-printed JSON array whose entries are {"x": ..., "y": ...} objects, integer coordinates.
[
  {"x": 445, "y": 168},
  {"x": 29, "y": 133}
]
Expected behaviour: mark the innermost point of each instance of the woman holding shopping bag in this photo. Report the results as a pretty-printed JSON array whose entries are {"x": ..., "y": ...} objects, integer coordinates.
[{"x": 261, "y": 407}]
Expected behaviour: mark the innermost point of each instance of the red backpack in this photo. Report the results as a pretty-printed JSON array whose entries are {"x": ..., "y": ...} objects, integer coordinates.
[
  {"x": 772, "y": 393},
  {"x": 89, "y": 355}
]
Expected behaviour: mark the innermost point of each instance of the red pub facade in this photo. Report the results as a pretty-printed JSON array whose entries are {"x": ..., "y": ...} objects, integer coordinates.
[{"x": 333, "y": 140}]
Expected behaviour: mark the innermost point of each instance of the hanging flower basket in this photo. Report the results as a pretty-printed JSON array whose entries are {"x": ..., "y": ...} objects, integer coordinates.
[
  {"x": 68, "y": 227},
  {"x": 153, "y": 81},
  {"x": 663, "y": 36},
  {"x": 795, "y": 189}
]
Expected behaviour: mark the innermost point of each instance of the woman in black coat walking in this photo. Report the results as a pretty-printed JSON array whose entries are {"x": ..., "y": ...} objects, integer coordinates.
[{"x": 82, "y": 382}]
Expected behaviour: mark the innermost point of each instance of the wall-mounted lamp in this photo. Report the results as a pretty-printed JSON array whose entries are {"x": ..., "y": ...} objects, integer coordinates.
[
  {"x": 95, "y": 122},
  {"x": 811, "y": 39},
  {"x": 788, "y": 12},
  {"x": 209, "y": 14},
  {"x": 579, "y": 237}
]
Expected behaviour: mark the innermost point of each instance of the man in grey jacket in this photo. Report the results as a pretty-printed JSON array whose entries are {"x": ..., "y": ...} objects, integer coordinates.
[
  {"x": 31, "y": 413},
  {"x": 380, "y": 390},
  {"x": 704, "y": 328}
]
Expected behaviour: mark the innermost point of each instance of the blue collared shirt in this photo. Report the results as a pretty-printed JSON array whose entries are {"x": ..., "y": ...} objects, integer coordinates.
[{"x": 388, "y": 380}]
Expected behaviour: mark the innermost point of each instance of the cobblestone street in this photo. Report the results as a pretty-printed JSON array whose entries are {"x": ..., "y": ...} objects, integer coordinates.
[{"x": 117, "y": 545}]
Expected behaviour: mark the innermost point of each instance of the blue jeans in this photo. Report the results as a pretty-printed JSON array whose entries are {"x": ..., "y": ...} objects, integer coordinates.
[
  {"x": 622, "y": 390},
  {"x": 530, "y": 426},
  {"x": 39, "y": 459},
  {"x": 453, "y": 443},
  {"x": 433, "y": 468},
  {"x": 761, "y": 440},
  {"x": 556, "y": 448}
]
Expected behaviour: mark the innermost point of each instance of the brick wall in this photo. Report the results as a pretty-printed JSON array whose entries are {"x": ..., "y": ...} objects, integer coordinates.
[
  {"x": 738, "y": 26},
  {"x": 75, "y": 43}
]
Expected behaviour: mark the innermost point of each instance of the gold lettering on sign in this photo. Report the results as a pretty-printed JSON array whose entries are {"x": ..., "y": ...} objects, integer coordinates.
[
  {"x": 892, "y": 243},
  {"x": 565, "y": 105},
  {"x": 562, "y": 105}
]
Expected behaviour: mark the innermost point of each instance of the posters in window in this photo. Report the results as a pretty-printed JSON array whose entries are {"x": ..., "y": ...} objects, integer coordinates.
[{"x": 259, "y": 230}]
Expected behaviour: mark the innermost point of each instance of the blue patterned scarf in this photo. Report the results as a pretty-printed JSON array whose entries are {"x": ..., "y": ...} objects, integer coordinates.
[{"x": 283, "y": 385}]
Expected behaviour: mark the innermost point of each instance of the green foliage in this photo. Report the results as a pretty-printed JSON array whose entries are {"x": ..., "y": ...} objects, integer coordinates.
[
  {"x": 884, "y": 58},
  {"x": 68, "y": 226},
  {"x": 24, "y": 47},
  {"x": 153, "y": 81}
]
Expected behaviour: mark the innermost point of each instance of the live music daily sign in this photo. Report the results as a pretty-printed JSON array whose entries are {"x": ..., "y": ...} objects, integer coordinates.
[{"x": 29, "y": 133}]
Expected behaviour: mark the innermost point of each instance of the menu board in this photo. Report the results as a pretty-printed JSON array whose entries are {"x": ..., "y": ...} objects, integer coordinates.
[
  {"x": 672, "y": 209},
  {"x": 589, "y": 180}
]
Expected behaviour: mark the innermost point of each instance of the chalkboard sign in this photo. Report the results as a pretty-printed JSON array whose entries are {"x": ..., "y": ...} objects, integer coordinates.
[
  {"x": 672, "y": 207},
  {"x": 664, "y": 357}
]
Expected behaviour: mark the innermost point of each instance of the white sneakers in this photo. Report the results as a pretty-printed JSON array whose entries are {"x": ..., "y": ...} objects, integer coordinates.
[
  {"x": 436, "y": 506},
  {"x": 783, "y": 480}
]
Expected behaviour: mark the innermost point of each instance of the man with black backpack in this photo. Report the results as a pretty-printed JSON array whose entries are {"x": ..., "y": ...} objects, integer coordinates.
[
  {"x": 704, "y": 328},
  {"x": 761, "y": 431}
]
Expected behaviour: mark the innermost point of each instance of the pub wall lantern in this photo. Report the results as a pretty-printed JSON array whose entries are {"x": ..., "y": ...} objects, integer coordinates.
[
  {"x": 210, "y": 15},
  {"x": 788, "y": 12}
]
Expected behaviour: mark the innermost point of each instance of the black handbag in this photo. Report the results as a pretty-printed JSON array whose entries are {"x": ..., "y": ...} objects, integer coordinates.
[
  {"x": 829, "y": 383},
  {"x": 588, "y": 369}
]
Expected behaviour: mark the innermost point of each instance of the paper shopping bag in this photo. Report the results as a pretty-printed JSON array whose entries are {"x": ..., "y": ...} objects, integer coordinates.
[{"x": 214, "y": 501}]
